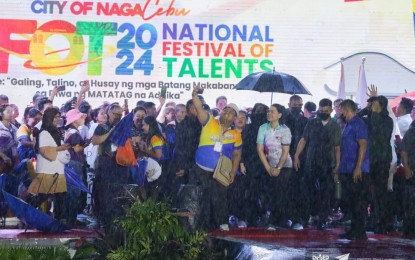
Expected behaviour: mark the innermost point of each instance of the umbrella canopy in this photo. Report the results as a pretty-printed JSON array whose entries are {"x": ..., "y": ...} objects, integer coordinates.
[
  {"x": 394, "y": 103},
  {"x": 73, "y": 179},
  {"x": 272, "y": 81},
  {"x": 33, "y": 217},
  {"x": 3, "y": 203},
  {"x": 122, "y": 130}
]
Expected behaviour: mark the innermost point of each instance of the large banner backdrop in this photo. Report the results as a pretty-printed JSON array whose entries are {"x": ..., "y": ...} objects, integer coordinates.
[{"x": 130, "y": 49}]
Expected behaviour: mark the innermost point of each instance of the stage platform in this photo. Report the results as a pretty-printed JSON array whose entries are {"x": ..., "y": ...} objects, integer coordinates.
[
  {"x": 254, "y": 243},
  {"x": 35, "y": 238},
  {"x": 310, "y": 243}
]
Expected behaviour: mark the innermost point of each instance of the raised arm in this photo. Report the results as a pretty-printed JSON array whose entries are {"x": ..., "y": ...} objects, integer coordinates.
[
  {"x": 85, "y": 88},
  {"x": 202, "y": 115}
]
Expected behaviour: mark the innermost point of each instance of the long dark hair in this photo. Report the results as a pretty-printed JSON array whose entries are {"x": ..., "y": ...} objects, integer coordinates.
[
  {"x": 383, "y": 102},
  {"x": 47, "y": 125},
  {"x": 153, "y": 128}
]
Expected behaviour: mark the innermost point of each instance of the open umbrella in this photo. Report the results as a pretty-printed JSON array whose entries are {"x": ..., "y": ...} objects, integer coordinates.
[
  {"x": 73, "y": 179},
  {"x": 3, "y": 203},
  {"x": 272, "y": 81},
  {"x": 32, "y": 217},
  {"x": 394, "y": 103}
]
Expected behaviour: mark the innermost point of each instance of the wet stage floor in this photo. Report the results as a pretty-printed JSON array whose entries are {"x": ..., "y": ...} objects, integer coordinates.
[
  {"x": 258, "y": 243},
  {"x": 310, "y": 243}
]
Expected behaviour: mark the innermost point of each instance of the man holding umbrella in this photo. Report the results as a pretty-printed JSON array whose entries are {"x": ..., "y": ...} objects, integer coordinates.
[{"x": 216, "y": 138}]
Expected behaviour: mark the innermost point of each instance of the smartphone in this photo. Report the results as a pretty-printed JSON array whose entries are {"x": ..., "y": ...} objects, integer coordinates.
[
  {"x": 163, "y": 92},
  {"x": 126, "y": 102},
  {"x": 61, "y": 88}
]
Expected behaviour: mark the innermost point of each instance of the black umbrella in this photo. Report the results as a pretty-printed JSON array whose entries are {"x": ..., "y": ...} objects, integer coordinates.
[{"x": 272, "y": 81}]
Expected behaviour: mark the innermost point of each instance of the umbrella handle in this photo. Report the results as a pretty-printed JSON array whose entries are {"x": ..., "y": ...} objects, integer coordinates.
[{"x": 55, "y": 179}]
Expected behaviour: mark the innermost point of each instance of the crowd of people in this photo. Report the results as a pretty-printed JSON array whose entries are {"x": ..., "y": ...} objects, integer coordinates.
[{"x": 291, "y": 166}]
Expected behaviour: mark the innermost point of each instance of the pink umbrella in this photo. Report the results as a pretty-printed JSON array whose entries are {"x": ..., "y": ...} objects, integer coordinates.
[{"x": 394, "y": 103}]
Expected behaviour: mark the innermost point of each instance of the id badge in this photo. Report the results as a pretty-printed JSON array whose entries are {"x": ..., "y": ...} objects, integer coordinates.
[{"x": 218, "y": 147}]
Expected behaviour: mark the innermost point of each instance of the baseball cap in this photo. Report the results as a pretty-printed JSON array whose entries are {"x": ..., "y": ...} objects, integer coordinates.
[
  {"x": 73, "y": 115},
  {"x": 233, "y": 106}
]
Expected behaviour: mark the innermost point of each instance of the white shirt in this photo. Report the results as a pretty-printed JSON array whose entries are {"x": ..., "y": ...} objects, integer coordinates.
[
  {"x": 83, "y": 131},
  {"x": 91, "y": 151},
  {"x": 404, "y": 122},
  {"x": 43, "y": 165}
]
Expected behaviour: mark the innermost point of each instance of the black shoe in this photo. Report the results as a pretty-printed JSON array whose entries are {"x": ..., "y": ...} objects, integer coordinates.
[
  {"x": 361, "y": 237},
  {"x": 379, "y": 230},
  {"x": 347, "y": 235}
]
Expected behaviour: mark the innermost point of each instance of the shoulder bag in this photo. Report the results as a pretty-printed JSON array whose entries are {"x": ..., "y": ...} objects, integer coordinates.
[{"x": 223, "y": 170}]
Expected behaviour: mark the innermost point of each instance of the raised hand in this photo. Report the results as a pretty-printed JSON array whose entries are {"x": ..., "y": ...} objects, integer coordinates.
[
  {"x": 85, "y": 86},
  {"x": 373, "y": 90}
]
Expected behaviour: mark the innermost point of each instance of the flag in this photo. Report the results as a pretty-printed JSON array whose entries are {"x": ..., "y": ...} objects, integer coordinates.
[
  {"x": 341, "y": 93},
  {"x": 413, "y": 6},
  {"x": 361, "y": 96},
  {"x": 122, "y": 130}
]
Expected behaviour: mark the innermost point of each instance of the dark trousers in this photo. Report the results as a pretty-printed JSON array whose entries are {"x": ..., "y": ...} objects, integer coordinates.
[
  {"x": 382, "y": 199},
  {"x": 109, "y": 189},
  {"x": 356, "y": 197},
  {"x": 255, "y": 197},
  {"x": 238, "y": 197},
  {"x": 173, "y": 183},
  {"x": 322, "y": 185},
  {"x": 409, "y": 208},
  {"x": 213, "y": 208},
  {"x": 163, "y": 183},
  {"x": 74, "y": 197},
  {"x": 278, "y": 196},
  {"x": 300, "y": 190}
]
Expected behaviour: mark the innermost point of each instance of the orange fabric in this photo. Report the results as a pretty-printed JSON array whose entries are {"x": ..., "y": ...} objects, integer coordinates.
[{"x": 125, "y": 154}]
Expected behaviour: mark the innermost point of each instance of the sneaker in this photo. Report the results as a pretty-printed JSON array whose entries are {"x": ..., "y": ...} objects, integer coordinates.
[
  {"x": 321, "y": 226},
  {"x": 87, "y": 211},
  {"x": 233, "y": 221},
  {"x": 242, "y": 224},
  {"x": 91, "y": 219},
  {"x": 82, "y": 218},
  {"x": 398, "y": 223},
  {"x": 297, "y": 226},
  {"x": 271, "y": 227},
  {"x": 336, "y": 215},
  {"x": 312, "y": 220},
  {"x": 224, "y": 227},
  {"x": 345, "y": 221}
]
